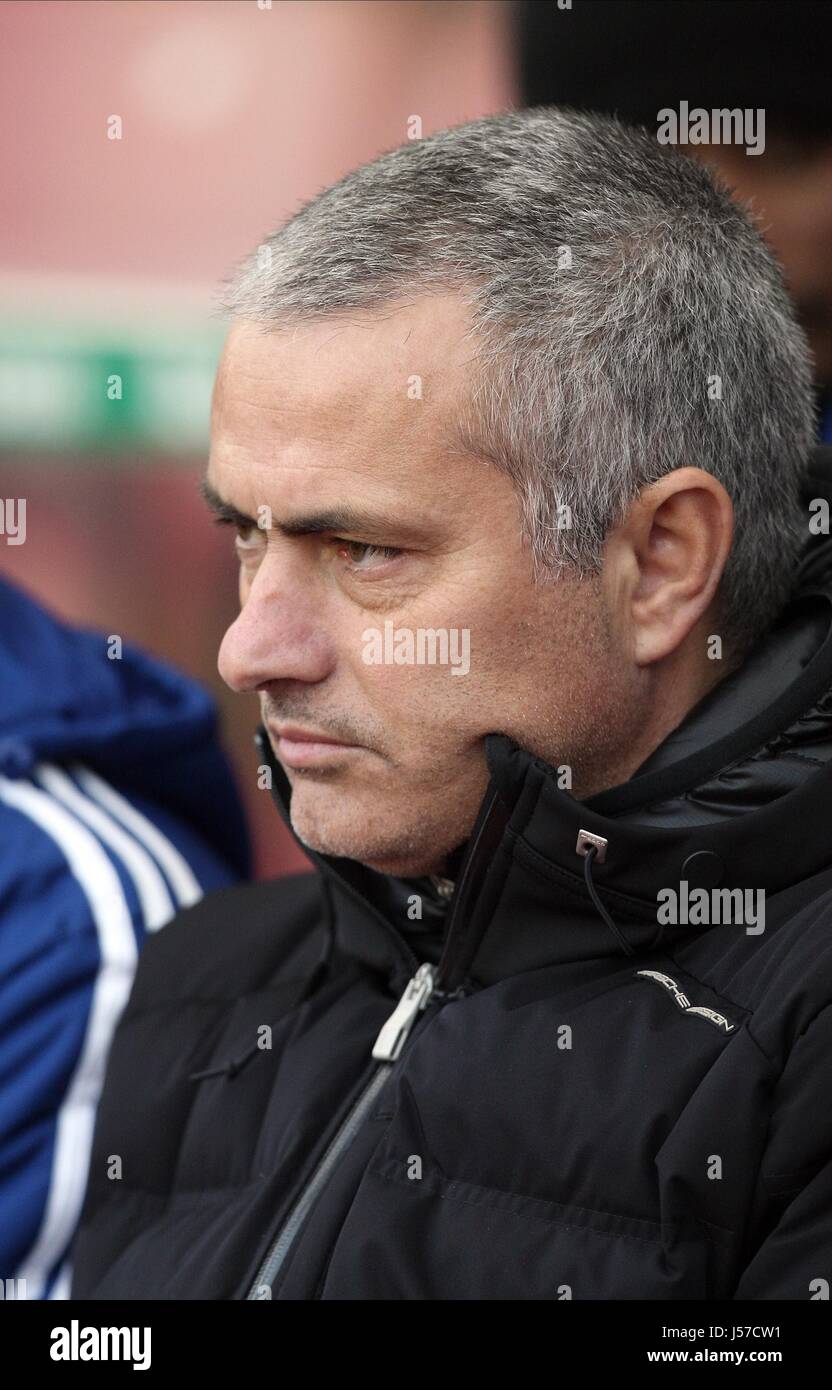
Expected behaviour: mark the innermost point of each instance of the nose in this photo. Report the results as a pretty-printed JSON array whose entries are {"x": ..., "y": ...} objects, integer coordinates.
[{"x": 278, "y": 635}]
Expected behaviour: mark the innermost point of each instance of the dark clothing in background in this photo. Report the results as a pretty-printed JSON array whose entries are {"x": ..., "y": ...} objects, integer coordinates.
[{"x": 631, "y": 59}]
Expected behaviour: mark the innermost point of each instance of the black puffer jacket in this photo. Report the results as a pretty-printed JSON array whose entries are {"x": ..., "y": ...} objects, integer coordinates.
[{"x": 579, "y": 1102}]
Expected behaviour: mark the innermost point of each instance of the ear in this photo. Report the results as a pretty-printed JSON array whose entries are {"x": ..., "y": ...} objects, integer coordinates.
[{"x": 665, "y": 559}]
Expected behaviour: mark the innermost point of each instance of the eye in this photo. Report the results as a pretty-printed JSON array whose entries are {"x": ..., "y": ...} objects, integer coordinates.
[
  {"x": 242, "y": 528},
  {"x": 354, "y": 552},
  {"x": 249, "y": 542},
  {"x": 249, "y": 537}
]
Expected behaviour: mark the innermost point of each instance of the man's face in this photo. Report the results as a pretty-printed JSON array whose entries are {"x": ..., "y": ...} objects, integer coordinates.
[{"x": 355, "y": 413}]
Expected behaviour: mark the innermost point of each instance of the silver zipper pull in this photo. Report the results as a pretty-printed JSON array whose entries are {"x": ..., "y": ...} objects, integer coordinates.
[
  {"x": 444, "y": 887},
  {"x": 391, "y": 1039}
]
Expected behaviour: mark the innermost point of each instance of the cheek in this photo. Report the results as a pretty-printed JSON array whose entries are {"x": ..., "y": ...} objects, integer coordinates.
[{"x": 420, "y": 696}]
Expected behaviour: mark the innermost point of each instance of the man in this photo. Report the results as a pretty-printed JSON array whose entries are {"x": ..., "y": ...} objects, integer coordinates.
[{"x": 552, "y": 1018}]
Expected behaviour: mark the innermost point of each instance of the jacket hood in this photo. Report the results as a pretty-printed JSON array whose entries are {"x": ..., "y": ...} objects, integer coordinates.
[
  {"x": 133, "y": 719},
  {"x": 732, "y": 798}
]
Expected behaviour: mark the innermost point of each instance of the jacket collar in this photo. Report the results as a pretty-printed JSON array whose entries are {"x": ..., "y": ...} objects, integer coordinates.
[{"x": 704, "y": 810}]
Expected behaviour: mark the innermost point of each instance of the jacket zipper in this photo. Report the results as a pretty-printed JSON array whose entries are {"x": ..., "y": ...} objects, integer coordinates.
[
  {"x": 386, "y": 1049},
  {"x": 423, "y": 986},
  {"x": 459, "y": 901}
]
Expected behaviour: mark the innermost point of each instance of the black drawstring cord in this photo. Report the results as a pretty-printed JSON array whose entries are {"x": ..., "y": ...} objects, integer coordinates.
[
  {"x": 591, "y": 852},
  {"x": 235, "y": 1064},
  {"x": 228, "y": 1069}
]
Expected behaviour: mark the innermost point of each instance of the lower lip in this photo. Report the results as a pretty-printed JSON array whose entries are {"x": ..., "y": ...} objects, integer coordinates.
[{"x": 306, "y": 753}]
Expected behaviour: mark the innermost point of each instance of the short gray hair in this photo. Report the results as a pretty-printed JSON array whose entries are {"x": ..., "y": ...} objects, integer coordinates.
[{"x": 615, "y": 291}]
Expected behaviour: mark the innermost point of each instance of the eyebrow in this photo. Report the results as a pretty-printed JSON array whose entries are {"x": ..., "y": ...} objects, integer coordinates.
[{"x": 334, "y": 519}]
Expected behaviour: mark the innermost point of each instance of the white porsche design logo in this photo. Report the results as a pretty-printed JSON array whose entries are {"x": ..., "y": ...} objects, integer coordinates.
[{"x": 719, "y": 1020}]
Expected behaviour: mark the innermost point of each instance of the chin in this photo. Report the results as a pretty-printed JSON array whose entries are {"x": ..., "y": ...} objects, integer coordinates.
[{"x": 364, "y": 833}]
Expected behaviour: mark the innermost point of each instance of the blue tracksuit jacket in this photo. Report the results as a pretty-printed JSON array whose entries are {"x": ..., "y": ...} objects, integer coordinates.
[{"x": 116, "y": 809}]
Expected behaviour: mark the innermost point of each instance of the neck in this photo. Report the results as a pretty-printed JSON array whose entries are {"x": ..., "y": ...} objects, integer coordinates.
[{"x": 677, "y": 689}]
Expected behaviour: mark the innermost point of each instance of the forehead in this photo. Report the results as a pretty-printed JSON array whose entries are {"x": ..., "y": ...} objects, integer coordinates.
[{"x": 367, "y": 396}]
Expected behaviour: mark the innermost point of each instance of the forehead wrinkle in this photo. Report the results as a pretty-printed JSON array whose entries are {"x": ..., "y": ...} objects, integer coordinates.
[
  {"x": 356, "y": 378},
  {"x": 339, "y": 484},
  {"x": 290, "y": 488},
  {"x": 288, "y": 411},
  {"x": 351, "y": 426}
]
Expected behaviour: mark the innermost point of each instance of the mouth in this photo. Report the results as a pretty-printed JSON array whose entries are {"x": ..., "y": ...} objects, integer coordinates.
[{"x": 297, "y": 747}]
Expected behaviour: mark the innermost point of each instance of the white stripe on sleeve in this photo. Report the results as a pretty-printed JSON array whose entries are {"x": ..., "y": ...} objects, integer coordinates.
[
  {"x": 63, "y": 1282},
  {"x": 154, "y": 898},
  {"x": 179, "y": 873},
  {"x": 100, "y": 883}
]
